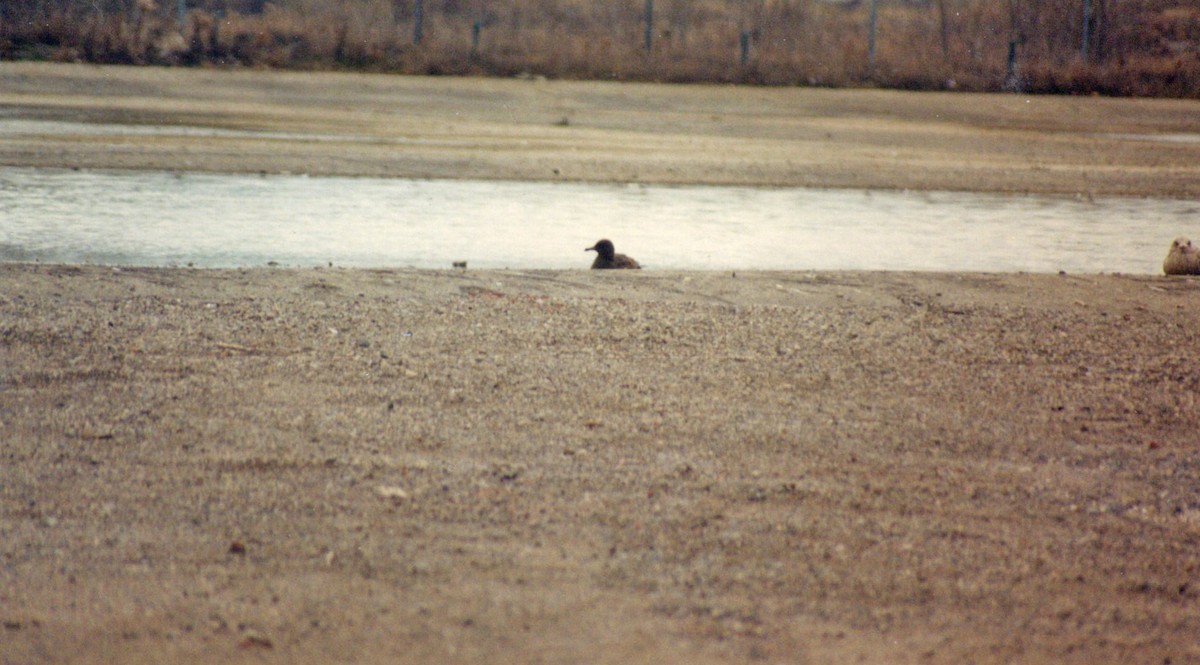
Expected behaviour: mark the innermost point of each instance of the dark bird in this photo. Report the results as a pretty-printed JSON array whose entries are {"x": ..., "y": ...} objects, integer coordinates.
[{"x": 608, "y": 258}]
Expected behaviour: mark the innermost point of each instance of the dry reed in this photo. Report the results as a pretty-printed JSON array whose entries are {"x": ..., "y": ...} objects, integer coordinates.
[{"x": 1133, "y": 47}]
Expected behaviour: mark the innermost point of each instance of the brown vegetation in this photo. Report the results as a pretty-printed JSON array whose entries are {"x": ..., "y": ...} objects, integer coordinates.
[{"x": 1129, "y": 47}]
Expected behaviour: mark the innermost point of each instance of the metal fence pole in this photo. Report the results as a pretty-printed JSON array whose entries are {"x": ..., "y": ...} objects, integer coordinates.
[
  {"x": 1087, "y": 19},
  {"x": 648, "y": 38},
  {"x": 418, "y": 19},
  {"x": 871, "y": 35},
  {"x": 942, "y": 21}
]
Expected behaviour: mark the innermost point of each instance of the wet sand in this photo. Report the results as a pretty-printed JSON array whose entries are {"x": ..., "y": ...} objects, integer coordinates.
[{"x": 402, "y": 466}]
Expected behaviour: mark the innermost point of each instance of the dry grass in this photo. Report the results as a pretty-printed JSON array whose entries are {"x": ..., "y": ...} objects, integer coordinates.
[{"x": 1135, "y": 47}]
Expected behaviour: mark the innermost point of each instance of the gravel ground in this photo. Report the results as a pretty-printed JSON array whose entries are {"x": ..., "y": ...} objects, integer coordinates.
[{"x": 413, "y": 466}]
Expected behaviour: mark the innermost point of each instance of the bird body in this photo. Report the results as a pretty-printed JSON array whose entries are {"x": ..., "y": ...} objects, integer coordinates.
[
  {"x": 1182, "y": 259},
  {"x": 607, "y": 258}
]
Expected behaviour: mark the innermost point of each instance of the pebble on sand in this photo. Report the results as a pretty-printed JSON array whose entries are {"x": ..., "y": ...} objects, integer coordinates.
[{"x": 396, "y": 494}]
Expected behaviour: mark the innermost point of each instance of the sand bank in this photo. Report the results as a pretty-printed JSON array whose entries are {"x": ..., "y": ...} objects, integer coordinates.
[
  {"x": 469, "y": 467},
  {"x": 398, "y": 126}
]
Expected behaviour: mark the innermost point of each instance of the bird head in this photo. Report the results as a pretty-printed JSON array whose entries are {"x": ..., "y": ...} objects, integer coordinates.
[{"x": 603, "y": 248}]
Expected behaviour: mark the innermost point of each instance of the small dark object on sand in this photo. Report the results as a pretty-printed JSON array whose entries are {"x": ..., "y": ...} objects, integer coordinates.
[{"x": 608, "y": 258}]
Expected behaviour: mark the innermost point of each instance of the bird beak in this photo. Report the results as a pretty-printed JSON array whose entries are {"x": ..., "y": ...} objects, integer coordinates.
[{"x": 590, "y": 249}]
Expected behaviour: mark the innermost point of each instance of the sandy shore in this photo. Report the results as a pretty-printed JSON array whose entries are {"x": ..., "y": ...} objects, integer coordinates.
[
  {"x": 376, "y": 125},
  {"x": 408, "y": 466},
  {"x": 401, "y": 466}
]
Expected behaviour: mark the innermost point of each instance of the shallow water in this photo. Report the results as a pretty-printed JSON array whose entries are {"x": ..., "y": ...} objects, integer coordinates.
[{"x": 163, "y": 219}]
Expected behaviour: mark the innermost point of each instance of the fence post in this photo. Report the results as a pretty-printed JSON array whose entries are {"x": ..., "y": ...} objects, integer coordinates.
[
  {"x": 945, "y": 35},
  {"x": 871, "y": 36},
  {"x": 1087, "y": 19},
  {"x": 744, "y": 48},
  {"x": 418, "y": 18},
  {"x": 182, "y": 13},
  {"x": 648, "y": 37},
  {"x": 1012, "y": 77}
]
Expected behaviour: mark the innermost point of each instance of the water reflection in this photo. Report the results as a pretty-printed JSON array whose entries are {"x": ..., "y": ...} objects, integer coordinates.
[{"x": 151, "y": 218}]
